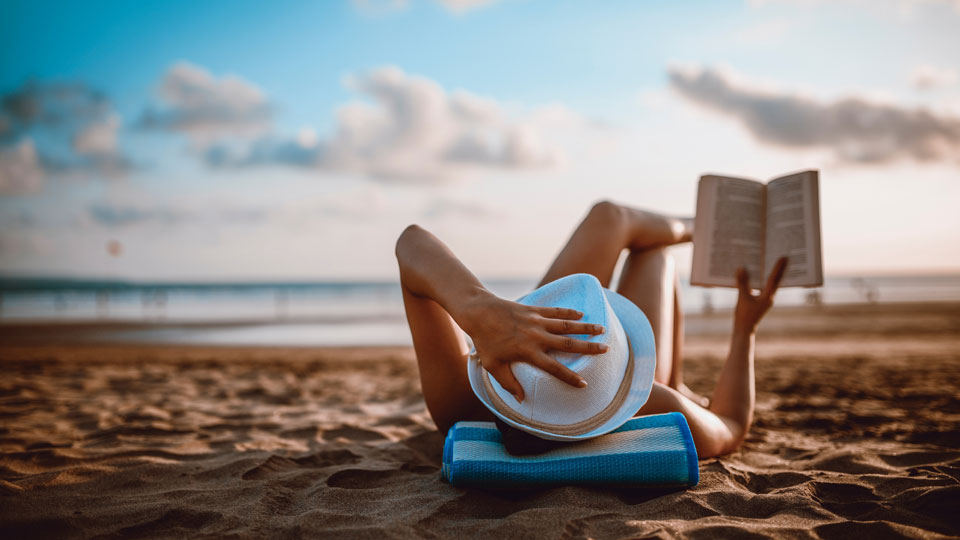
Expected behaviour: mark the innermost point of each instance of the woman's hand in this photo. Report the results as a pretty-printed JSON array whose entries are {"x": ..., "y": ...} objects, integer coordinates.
[
  {"x": 505, "y": 332},
  {"x": 751, "y": 308}
]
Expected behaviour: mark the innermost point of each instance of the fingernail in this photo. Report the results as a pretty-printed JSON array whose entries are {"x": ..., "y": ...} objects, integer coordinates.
[
  {"x": 582, "y": 383},
  {"x": 518, "y": 398},
  {"x": 599, "y": 329},
  {"x": 604, "y": 347}
]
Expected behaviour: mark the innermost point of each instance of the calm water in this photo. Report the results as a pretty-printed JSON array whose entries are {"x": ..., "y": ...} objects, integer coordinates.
[{"x": 343, "y": 313}]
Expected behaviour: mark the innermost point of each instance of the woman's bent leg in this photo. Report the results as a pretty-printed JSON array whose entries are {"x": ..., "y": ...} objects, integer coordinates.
[
  {"x": 608, "y": 229},
  {"x": 595, "y": 246},
  {"x": 713, "y": 434},
  {"x": 441, "y": 350},
  {"x": 649, "y": 281}
]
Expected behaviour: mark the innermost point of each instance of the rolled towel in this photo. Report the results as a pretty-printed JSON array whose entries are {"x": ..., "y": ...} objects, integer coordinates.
[{"x": 648, "y": 451}]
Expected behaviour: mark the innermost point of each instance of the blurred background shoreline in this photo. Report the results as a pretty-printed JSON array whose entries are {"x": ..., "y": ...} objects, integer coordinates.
[{"x": 345, "y": 313}]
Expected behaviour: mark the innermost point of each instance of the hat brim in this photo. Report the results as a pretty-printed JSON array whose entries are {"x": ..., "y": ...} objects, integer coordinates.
[{"x": 637, "y": 328}]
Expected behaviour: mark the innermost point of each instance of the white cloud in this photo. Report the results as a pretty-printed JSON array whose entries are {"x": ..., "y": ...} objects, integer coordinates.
[
  {"x": 20, "y": 170},
  {"x": 307, "y": 137},
  {"x": 99, "y": 138},
  {"x": 410, "y": 128},
  {"x": 207, "y": 108},
  {"x": 854, "y": 128},
  {"x": 927, "y": 77},
  {"x": 171, "y": 213},
  {"x": 71, "y": 128}
]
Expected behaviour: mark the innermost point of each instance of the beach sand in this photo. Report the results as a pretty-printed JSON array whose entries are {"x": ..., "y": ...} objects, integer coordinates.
[{"x": 857, "y": 434}]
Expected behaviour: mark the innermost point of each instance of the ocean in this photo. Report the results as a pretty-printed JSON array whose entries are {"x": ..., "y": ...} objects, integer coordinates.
[{"x": 338, "y": 313}]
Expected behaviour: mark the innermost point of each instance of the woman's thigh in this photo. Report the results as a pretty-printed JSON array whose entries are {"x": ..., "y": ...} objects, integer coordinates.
[
  {"x": 594, "y": 247},
  {"x": 648, "y": 279}
]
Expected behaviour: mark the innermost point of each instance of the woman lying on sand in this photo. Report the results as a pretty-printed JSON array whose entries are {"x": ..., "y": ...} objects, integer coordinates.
[{"x": 439, "y": 290}]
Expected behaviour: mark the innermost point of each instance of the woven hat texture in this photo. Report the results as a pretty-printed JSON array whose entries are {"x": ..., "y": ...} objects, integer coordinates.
[{"x": 618, "y": 380}]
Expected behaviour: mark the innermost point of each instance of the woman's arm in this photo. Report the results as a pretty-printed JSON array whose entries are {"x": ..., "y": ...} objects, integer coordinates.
[
  {"x": 723, "y": 427},
  {"x": 735, "y": 393},
  {"x": 502, "y": 331}
]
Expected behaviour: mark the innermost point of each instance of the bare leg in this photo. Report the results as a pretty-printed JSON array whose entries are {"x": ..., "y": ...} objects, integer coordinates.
[
  {"x": 676, "y": 371},
  {"x": 649, "y": 274},
  {"x": 649, "y": 279},
  {"x": 676, "y": 374},
  {"x": 608, "y": 229},
  {"x": 713, "y": 434},
  {"x": 721, "y": 428}
]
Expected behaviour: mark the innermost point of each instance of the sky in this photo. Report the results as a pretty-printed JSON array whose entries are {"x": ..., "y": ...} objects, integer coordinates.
[{"x": 225, "y": 141}]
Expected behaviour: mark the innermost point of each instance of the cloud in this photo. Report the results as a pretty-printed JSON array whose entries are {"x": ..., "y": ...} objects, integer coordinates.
[
  {"x": 298, "y": 151},
  {"x": 59, "y": 127},
  {"x": 120, "y": 214},
  {"x": 857, "y": 130},
  {"x": 54, "y": 105},
  {"x": 409, "y": 128},
  {"x": 99, "y": 138},
  {"x": 363, "y": 204},
  {"x": 206, "y": 108},
  {"x": 927, "y": 77},
  {"x": 115, "y": 215},
  {"x": 20, "y": 170}
]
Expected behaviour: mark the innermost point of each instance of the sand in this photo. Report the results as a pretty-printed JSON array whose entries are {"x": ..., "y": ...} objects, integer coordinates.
[{"x": 857, "y": 434}]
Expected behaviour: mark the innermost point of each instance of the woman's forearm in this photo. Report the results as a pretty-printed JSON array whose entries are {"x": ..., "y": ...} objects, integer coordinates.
[
  {"x": 734, "y": 395},
  {"x": 429, "y": 269}
]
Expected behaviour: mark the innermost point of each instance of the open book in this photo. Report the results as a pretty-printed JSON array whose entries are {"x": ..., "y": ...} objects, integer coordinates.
[{"x": 747, "y": 223}]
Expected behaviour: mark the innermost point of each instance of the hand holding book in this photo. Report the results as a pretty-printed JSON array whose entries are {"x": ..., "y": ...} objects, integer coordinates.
[{"x": 751, "y": 308}]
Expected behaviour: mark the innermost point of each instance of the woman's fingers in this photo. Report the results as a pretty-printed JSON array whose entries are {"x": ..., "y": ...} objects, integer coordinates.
[
  {"x": 504, "y": 375},
  {"x": 743, "y": 281},
  {"x": 565, "y": 326},
  {"x": 558, "y": 313},
  {"x": 558, "y": 370},
  {"x": 773, "y": 282},
  {"x": 568, "y": 344}
]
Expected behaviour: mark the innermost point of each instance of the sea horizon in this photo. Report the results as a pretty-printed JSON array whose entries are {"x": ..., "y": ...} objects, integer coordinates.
[{"x": 341, "y": 312}]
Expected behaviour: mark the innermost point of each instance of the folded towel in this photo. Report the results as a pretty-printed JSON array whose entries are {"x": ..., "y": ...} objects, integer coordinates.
[{"x": 647, "y": 451}]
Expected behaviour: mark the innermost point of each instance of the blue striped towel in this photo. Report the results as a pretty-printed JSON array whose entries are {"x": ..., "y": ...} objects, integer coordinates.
[{"x": 647, "y": 451}]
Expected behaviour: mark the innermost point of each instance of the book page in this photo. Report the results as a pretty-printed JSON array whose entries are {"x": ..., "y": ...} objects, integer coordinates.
[
  {"x": 728, "y": 232},
  {"x": 793, "y": 228}
]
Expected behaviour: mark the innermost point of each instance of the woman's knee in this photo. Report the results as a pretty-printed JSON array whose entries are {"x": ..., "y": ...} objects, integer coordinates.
[
  {"x": 607, "y": 215},
  {"x": 407, "y": 236}
]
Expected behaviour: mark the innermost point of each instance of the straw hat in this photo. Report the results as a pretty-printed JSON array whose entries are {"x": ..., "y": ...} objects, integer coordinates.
[{"x": 619, "y": 380}]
